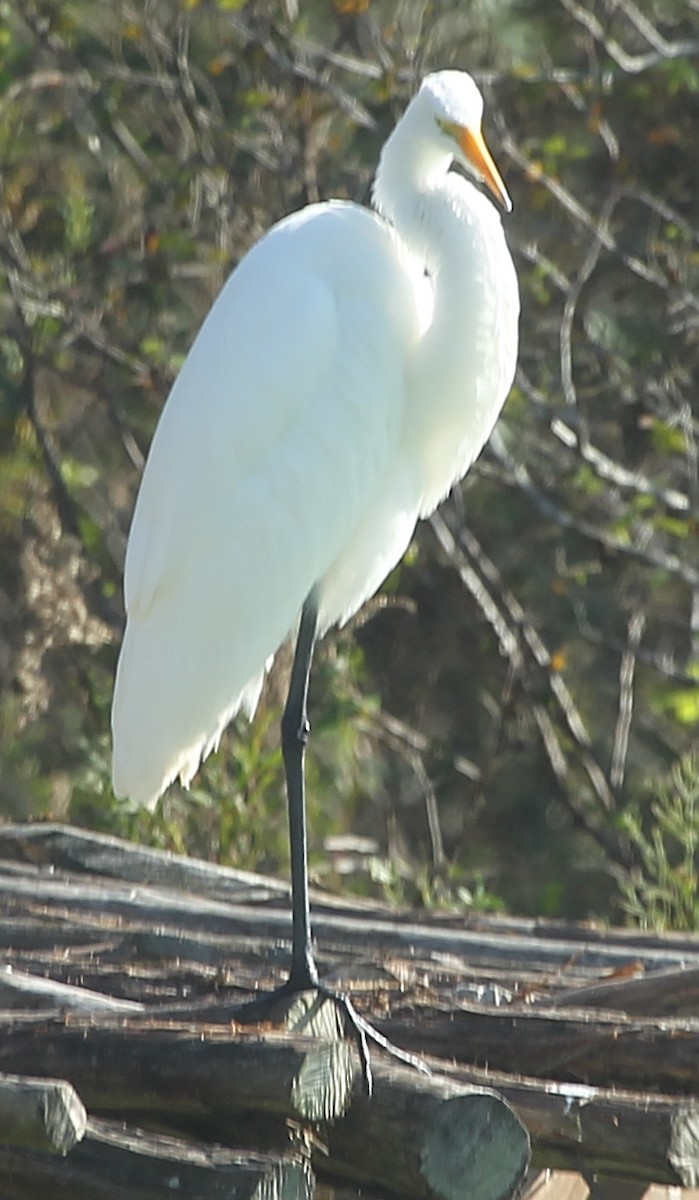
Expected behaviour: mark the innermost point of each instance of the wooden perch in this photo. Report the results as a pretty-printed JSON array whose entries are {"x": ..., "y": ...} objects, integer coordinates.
[
  {"x": 45, "y": 1115},
  {"x": 629, "y": 1134},
  {"x": 112, "y": 1162},
  {"x": 153, "y": 908},
  {"x": 397, "y": 1138},
  {"x": 192, "y": 1070},
  {"x": 480, "y": 946},
  {"x": 126, "y": 985}
]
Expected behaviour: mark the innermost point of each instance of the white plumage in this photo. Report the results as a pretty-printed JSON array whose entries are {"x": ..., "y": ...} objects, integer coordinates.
[{"x": 348, "y": 374}]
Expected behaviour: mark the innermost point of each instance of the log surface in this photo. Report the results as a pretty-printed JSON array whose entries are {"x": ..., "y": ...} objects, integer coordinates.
[
  {"x": 45, "y": 1115},
  {"x": 113, "y": 1161},
  {"x": 123, "y": 967},
  {"x": 396, "y": 1138}
]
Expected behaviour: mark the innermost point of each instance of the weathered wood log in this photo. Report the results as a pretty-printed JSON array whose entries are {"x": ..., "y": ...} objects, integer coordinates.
[
  {"x": 159, "y": 906},
  {"x": 195, "y": 1070},
  {"x": 603, "y": 1049},
  {"x": 187, "y": 960},
  {"x": 447, "y": 1141},
  {"x": 399, "y": 1138},
  {"x": 432, "y": 1140},
  {"x": 79, "y": 850},
  {"x": 673, "y": 992},
  {"x": 67, "y": 848},
  {"x": 663, "y": 993},
  {"x": 113, "y": 1162},
  {"x": 623, "y": 1134},
  {"x": 600, "y": 1048},
  {"x": 44, "y": 1115},
  {"x": 82, "y": 851},
  {"x": 19, "y": 989},
  {"x": 608, "y": 1132}
]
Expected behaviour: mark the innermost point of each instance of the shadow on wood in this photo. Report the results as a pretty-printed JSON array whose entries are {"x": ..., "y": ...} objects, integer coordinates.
[{"x": 112, "y": 1161}]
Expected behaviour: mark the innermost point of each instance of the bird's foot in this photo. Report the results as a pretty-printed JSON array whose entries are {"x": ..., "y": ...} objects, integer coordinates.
[{"x": 300, "y": 1016}]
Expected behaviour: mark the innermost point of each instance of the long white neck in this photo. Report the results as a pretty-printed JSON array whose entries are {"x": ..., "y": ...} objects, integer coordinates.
[{"x": 463, "y": 364}]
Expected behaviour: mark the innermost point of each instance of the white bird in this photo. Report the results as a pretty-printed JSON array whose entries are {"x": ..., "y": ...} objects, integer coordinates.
[{"x": 347, "y": 376}]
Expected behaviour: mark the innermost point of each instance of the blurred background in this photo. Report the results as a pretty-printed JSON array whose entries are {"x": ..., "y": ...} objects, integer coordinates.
[{"x": 510, "y": 723}]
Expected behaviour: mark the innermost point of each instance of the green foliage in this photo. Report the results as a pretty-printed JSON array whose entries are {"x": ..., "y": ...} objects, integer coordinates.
[
  {"x": 413, "y": 885},
  {"x": 142, "y": 150},
  {"x": 662, "y": 891}
]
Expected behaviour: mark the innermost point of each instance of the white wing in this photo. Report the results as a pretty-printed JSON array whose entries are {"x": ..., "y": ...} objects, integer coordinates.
[{"x": 272, "y": 446}]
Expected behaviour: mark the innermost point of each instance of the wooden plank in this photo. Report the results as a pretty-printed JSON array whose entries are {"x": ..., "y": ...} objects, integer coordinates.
[
  {"x": 44, "y": 1115},
  {"x": 571, "y": 1185},
  {"x": 659, "y": 1192},
  {"x": 557, "y": 1185}
]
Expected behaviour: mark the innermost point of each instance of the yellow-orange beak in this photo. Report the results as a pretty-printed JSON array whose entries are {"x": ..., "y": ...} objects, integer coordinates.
[{"x": 475, "y": 150}]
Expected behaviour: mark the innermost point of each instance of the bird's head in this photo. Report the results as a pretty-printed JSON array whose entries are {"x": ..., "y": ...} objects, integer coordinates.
[{"x": 452, "y": 103}]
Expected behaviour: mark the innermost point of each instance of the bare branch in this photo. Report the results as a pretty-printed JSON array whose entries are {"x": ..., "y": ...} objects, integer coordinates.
[
  {"x": 632, "y": 64},
  {"x": 518, "y": 475},
  {"x": 636, "y": 625},
  {"x": 601, "y": 230},
  {"x": 582, "y": 217},
  {"x": 516, "y": 620}
]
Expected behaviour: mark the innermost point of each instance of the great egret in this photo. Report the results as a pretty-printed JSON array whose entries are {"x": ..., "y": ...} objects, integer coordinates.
[{"x": 347, "y": 376}]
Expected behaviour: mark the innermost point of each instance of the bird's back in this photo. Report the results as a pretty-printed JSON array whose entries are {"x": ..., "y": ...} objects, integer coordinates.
[{"x": 276, "y": 451}]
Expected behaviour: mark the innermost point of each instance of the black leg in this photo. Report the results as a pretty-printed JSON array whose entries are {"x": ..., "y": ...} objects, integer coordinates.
[
  {"x": 303, "y": 974},
  {"x": 295, "y": 730}
]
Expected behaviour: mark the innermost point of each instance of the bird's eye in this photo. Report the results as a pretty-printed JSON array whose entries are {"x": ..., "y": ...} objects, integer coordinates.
[{"x": 447, "y": 127}]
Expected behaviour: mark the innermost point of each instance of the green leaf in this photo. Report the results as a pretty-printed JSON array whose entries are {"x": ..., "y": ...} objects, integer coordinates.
[
  {"x": 669, "y": 439},
  {"x": 682, "y": 704},
  {"x": 77, "y": 474}
]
